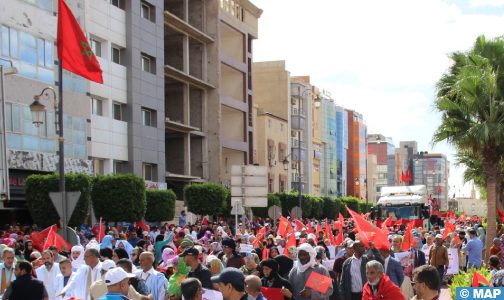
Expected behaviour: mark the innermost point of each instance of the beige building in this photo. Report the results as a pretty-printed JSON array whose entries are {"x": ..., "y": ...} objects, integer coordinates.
[
  {"x": 317, "y": 145},
  {"x": 373, "y": 192},
  {"x": 208, "y": 89},
  {"x": 271, "y": 82},
  {"x": 272, "y": 146}
]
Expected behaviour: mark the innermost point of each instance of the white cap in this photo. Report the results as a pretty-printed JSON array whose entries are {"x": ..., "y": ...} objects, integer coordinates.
[
  {"x": 116, "y": 275},
  {"x": 438, "y": 236},
  {"x": 108, "y": 264}
]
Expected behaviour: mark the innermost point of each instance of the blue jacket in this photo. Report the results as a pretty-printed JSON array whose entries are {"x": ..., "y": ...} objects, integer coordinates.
[{"x": 395, "y": 272}]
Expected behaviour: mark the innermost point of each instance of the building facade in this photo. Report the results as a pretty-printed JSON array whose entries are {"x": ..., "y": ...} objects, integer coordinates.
[
  {"x": 404, "y": 159},
  {"x": 28, "y": 35},
  {"x": 384, "y": 150},
  {"x": 432, "y": 170},
  {"x": 373, "y": 191},
  {"x": 356, "y": 155},
  {"x": 342, "y": 143},
  {"x": 329, "y": 168}
]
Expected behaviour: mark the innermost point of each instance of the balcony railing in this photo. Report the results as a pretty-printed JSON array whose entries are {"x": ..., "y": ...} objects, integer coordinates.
[{"x": 297, "y": 112}]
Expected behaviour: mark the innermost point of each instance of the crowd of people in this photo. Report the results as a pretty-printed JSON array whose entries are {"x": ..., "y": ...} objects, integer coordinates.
[{"x": 253, "y": 261}]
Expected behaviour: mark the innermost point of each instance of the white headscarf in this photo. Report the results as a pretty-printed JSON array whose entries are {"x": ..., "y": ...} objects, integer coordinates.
[
  {"x": 309, "y": 249},
  {"x": 93, "y": 244},
  {"x": 76, "y": 264},
  {"x": 222, "y": 232}
]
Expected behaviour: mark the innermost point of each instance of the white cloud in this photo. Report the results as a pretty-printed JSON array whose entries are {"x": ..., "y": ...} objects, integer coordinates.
[
  {"x": 381, "y": 58},
  {"x": 480, "y": 3}
]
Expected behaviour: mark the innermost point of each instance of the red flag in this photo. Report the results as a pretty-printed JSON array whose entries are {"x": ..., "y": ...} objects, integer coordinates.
[
  {"x": 101, "y": 231},
  {"x": 452, "y": 215},
  {"x": 337, "y": 225},
  {"x": 205, "y": 221},
  {"x": 74, "y": 51},
  {"x": 449, "y": 228},
  {"x": 54, "y": 239},
  {"x": 369, "y": 232},
  {"x": 403, "y": 177},
  {"x": 439, "y": 189},
  {"x": 260, "y": 236},
  {"x": 265, "y": 253},
  {"x": 38, "y": 238},
  {"x": 389, "y": 222},
  {"x": 299, "y": 225},
  {"x": 462, "y": 218},
  {"x": 309, "y": 228},
  {"x": 142, "y": 225},
  {"x": 291, "y": 241},
  {"x": 272, "y": 293},
  {"x": 408, "y": 237},
  {"x": 328, "y": 233},
  {"x": 479, "y": 280},
  {"x": 284, "y": 226},
  {"x": 501, "y": 214},
  {"x": 339, "y": 238},
  {"x": 341, "y": 219},
  {"x": 318, "y": 282},
  {"x": 408, "y": 175},
  {"x": 318, "y": 229}
]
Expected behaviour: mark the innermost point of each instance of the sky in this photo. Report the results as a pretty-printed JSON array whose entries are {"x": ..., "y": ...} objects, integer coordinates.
[{"x": 380, "y": 58}]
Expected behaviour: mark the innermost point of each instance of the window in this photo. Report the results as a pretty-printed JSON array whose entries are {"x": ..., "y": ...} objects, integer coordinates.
[
  {"x": 13, "y": 117},
  {"x": 282, "y": 186},
  {"x": 269, "y": 123},
  {"x": 117, "y": 3},
  {"x": 97, "y": 107},
  {"x": 148, "y": 117},
  {"x": 44, "y": 4},
  {"x": 117, "y": 55},
  {"x": 147, "y": 11},
  {"x": 148, "y": 63},
  {"x": 119, "y": 109},
  {"x": 96, "y": 47},
  {"x": 119, "y": 166},
  {"x": 149, "y": 172},
  {"x": 99, "y": 166},
  {"x": 270, "y": 185}
]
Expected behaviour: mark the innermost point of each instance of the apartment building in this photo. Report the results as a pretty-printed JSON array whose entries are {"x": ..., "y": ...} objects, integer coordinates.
[
  {"x": 384, "y": 150},
  {"x": 27, "y": 39},
  {"x": 271, "y": 82},
  {"x": 432, "y": 170},
  {"x": 404, "y": 159},
  {"x": 208, "y": 94},
  {"x": 341, "y": 150},
  {"x": 356, "y": 155}
]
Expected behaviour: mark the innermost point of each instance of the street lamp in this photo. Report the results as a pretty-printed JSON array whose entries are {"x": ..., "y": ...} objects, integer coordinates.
[
  {"x": 357, "y": 183},
  {"x": 5, "y": 164},
  {"x": 37, "y": 109}
]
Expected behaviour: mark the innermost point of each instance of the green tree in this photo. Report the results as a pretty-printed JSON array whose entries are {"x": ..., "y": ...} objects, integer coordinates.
[
  {"x": 40, "y": 205},
  {"x": 206, "y": 198},
  {"x": 119, "y": 197},
  {"x": 160, "y": 205},
  {"x": 469, "y": 97}
]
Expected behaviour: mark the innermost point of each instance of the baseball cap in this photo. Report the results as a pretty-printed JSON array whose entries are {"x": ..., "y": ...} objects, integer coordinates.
[
  {"x": 439, "y": 236},
  {"x": 108, "y": 264},
  {"x": 190, "y": 251},
  {"x": 116, "y": 275},
  {"x": 233, "y": 276}
]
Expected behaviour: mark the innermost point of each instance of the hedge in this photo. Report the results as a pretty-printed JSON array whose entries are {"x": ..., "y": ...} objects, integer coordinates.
[
  {"x": 160, "y": 205},
  {"x": 40, "y": 205},
  {"x": 206, "y": 198},
  {"x": 119, "y": 197},
  {"x": 332, "y": 207},
  {"x": 350, "y": 202}
]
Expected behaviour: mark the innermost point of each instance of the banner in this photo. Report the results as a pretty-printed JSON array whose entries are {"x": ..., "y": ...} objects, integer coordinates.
[
  {"x": 246, "y": 248},
  {"x": 453, "y": 265}
]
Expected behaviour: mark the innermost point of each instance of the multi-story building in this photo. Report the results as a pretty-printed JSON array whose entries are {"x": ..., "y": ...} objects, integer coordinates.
[
  {"x": 384, "y": 150},
  {"x": 316, "y": 143},
  {"x": 373, "y": 191},
  {"x": 208, "y": 99},
  {"x": 404, "y": 156},
  {"x": 28, "y": 35},
  {"x": 356, "y": 155},
  {"x": 272, "y": 134},
  {"x": 342, "y": 142},
  {"x": 432, "y": 170},
  {"x": 271, "y": 82},
  {"x": 329, "y": 167}
]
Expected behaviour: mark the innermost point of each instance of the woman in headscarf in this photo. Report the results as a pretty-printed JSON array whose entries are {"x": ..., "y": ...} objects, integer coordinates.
[
  {"x": 215, "y": 248},
  {"x": 119, "y": 253},
  {"x": 273, "y": 252},
  {"x": 161, "y": 241},
  {"x": 285, "y": 265},
  {"x": 123, "y": 244},
  {"x": 181, "y": 271},
  {"x": 168, "y": 255},
  {"x": 135, "y": 256},
  {"x": 251, "y": 264},
  {"x": 77, "y": 257},
  {"x": 271, "y": 278},
  {"x": 107, "y": 242},
  {"x": 215, "y": 265},
  {"x": 28, "y": 249}
]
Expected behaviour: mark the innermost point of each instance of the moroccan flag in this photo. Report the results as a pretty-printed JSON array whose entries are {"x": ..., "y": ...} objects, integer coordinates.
[
  {"x": 501, "y": 214},
  {"x": 318, "y": 229},
  {"x": 408, "y": 175},
  {"x": 337, "y": 225},
  {"x": 462, "y": 218},
  {"x": 38, "y": 238},
  {"x": 369, "y": 232},
  {"x": 265, "y": 253},
  {"x": 328, "y": 233},
  {"x": 142, "y": 225},
  {"x": 403, "y": 177},
  {"x": 309, "y": 228},
  {"x": 341, "y": 219},
  {"x": 205, "y": 221},
  {"x": 74, "y": 51},
  {"x": 54, "y": 239},
  {"x": 284, "y": 226},
  {"x": 260, "y": 236},
  {"x": 291, "y": 241},
  {"x": 101, "y": 231},
  {"x": 318, "y": 282},
  {"x": 389, "y": 222},
  {"x": 479, "y": 280},
  {"x": 339, "y": 238},
  {"x": 449, "y": 228},
  {"x": 272, "y": 293},
  {"x": 408, "y": 237}
]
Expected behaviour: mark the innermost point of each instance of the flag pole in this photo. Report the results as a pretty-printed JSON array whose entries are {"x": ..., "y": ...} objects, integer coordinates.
[{"x": 61, "y": 144}]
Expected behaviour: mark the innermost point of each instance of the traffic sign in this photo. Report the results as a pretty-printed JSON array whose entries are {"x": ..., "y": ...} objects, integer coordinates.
[
  {"x": 57, "y": 200},
  {"x": 249, "y": 170},
  {"x": 249, "y": 181},
  {"x": 249, "y": 191},
  {"x": 249, "y": 185},
  {"x": 274, "y": 212},
  {"x": 297, "y": 212},
  {"x": 237, "y": 207}
]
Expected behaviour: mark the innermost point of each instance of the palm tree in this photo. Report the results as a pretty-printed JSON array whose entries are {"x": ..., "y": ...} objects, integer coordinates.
[{"x": 470, "y": 99}]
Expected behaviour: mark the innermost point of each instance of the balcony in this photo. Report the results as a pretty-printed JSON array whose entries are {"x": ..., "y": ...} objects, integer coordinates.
[
  {"x": 297, "y": 144},
  {"x": 297, "y": 112}
]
